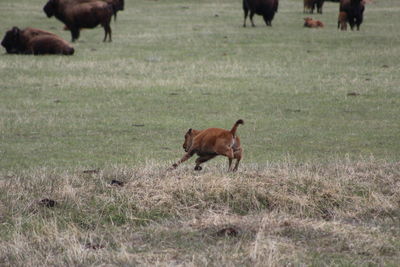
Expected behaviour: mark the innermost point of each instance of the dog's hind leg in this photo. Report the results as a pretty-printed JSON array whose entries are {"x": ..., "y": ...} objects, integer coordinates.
[
  {"x": 226, "y": 151},
  {"x": 201, "y": 160},
  {"x": 238, "y": 157}
]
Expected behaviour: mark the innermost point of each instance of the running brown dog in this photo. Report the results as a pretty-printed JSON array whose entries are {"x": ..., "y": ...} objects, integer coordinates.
[{"x": 210, "y": 143}]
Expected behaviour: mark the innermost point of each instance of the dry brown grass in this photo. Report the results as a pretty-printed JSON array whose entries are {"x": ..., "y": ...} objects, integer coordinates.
[{"x": 342, "y": 213}]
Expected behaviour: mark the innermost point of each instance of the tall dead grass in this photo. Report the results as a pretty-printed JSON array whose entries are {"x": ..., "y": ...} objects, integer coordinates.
[{"x": 344, "y": 212}]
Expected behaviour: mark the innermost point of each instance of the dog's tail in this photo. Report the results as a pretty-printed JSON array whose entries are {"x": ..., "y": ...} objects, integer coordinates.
[{"x": 234, "y": 128}]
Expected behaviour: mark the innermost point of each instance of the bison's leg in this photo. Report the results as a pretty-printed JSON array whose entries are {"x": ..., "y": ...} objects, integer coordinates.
[
  {"x": 107, "y": 31},
  {"x": 358, "y": 23},
  {"x": 351, "y": 22},
  {"x": 251, "y": 18},
  {"x": 267, "y": 20},
  {"x": 319, "y": 8},
  {"x": 201, "y": 160},
  {"x": 74, "y": 33},
  {"x": 246, "y": 11}
]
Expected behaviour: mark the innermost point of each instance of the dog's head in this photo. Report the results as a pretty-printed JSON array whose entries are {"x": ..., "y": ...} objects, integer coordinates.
[
  {"x": 189, "y": 136},
  {"x": 188, "y": 140}
]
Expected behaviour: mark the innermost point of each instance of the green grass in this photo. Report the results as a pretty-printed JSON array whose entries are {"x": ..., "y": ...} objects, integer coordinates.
[
  {"x": 175, "y": 65},
  {"x": 319, "y": 182}
]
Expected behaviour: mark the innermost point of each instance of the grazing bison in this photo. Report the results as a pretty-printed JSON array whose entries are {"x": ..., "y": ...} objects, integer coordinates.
[
  {"x": 311, "y": 23},
  {"x": 35, "y": 41},
  {"x": 342, "y": 21},
  {"x": 265, "y": 8},
  {"x": 81, "y": 15},
  {"x": 310, "y": 5},
  {"x": 354, "y": 10}
]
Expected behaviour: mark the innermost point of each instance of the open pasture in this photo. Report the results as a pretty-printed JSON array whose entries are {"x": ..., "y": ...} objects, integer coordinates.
[{"x": 319, "y": 182}]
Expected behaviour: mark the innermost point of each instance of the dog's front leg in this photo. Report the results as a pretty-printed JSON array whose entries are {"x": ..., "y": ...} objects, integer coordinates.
[{"x": 187, "y": 156}]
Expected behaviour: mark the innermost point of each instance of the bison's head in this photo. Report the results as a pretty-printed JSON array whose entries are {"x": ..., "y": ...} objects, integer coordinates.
[
  {"x": 11, "y": 41},
  {"x": 50, "y": 8}
]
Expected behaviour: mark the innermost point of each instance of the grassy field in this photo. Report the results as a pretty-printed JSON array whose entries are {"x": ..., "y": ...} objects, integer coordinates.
[
  {"x": 319, "y": 184},
  {"x": 343, "y": 213}
]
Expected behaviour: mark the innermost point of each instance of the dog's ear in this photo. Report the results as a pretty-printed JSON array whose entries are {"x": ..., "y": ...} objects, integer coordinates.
[{"x": 189, "y": 131}]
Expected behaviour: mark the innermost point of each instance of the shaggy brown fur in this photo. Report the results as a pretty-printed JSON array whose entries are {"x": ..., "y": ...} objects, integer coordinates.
[
  {"x": 81, "y": 15},
  {"x": 210, "y": 143},
  {"x": 35, "y": 41},
  {"x": 118, "y": 5},
  {"x": 311, "y": 23}
]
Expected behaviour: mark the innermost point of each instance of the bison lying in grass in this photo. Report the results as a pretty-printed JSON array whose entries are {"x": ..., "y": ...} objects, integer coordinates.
[
  {"x": 265, "y": 8},
  {"x": 81, "y": 15},
  {"x": 35, "y": 41}
]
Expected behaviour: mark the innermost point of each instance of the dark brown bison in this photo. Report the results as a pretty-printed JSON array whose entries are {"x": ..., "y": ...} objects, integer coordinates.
[
  {"x": 310, "y": 5},
  {"x": 354, "y": 10},
  {"x": 265, "y": 8},
  {"x": 35, "y": 41},
  {"x": 117, "y": 5},
  {"x": 81, "y": 15}
]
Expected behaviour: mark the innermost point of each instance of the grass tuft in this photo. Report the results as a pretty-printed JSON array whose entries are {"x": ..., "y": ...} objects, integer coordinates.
[{"x": 279, "y": 213}]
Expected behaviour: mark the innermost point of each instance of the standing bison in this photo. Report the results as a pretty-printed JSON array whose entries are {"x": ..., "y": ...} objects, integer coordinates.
[
  {"x": 265, "y": 8},
  {"x": 81, "y": 15},
  {"x": 354, "y": 10},
  {"x": 310, "y": 5},
  {"x": 117, "y": 5},
  {"x": 35, "y": 41}
]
